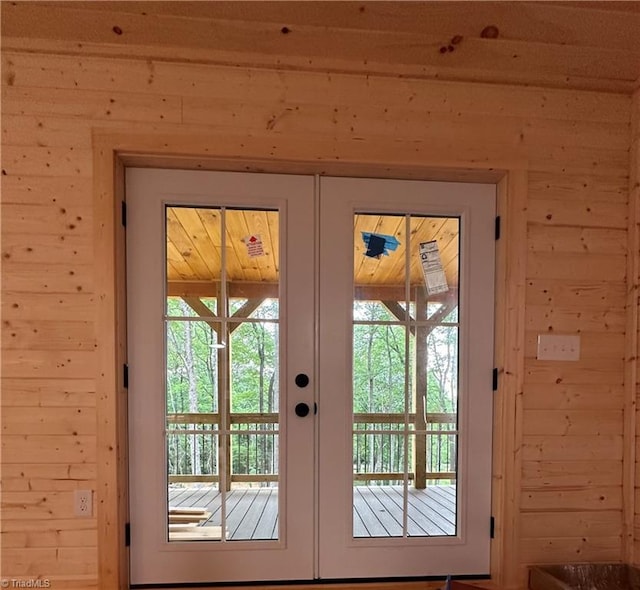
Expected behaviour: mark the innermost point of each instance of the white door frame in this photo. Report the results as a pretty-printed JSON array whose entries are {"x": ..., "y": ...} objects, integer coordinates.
[{"x": 310, "y": 333}]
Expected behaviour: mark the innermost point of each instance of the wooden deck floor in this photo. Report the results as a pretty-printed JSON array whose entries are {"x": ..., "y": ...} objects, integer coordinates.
[{"x": 252, "y": 513}]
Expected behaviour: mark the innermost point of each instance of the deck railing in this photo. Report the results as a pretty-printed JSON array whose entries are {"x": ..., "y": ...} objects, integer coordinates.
[{"x": 383, "y": 450}]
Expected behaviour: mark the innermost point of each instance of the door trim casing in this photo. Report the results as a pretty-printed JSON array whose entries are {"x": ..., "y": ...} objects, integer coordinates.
[{"x": 112, "y": 152}]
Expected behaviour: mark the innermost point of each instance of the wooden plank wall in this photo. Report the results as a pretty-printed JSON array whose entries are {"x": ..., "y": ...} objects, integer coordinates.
[
  {"x": 634, "y": 298},
  {"x": 553, "y": 44},
  {"x": 574, "y": 146}
]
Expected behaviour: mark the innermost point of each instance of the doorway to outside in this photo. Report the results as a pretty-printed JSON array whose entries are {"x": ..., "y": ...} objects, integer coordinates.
[{"x": 310, "y": 376}]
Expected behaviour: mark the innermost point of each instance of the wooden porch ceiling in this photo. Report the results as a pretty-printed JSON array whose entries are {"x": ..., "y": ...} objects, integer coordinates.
[{"x": 195, "y": 244}]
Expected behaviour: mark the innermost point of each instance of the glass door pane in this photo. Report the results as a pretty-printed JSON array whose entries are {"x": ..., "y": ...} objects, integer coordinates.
[
  {"x": 222, "y": 362},
  {"x": 434, "y": 281},
  {"x": 405, "y": 382}
]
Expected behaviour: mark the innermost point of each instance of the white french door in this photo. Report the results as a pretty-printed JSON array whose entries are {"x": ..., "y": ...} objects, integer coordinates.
[
  {"x": 310, "y": 365},
  {"x": 422, "y": 326},
  {"x": 192, "y": 279}
]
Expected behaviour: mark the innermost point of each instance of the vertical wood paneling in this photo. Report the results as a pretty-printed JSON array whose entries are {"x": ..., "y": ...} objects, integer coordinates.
[{"x": 567, "y": 222}]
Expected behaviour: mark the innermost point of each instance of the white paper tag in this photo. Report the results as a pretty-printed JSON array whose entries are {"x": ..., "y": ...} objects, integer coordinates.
[
  {"x": 434, "y": 277},
  {"x": 254, "y": 245}
]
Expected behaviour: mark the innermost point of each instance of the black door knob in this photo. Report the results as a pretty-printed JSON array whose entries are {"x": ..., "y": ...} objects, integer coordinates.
[
  {"x": 302, "y": 409},
  {"x": 302, "y": 380}
]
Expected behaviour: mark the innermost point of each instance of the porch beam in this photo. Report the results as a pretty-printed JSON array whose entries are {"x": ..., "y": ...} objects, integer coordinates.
[
  {"x": 235, "y": 289},
  {"x": 196, "y": 304},
  {"x": 245, "y": 311},
  {"x": 254, "y": 290},
  {"x": 400, "y": 313}
]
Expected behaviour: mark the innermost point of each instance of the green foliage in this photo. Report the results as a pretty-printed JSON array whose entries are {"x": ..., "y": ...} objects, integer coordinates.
[{"x": 381, "y": 385}]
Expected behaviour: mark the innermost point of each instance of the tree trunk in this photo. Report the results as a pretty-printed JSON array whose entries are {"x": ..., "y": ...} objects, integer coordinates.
[{"x": 260, "y": 440}]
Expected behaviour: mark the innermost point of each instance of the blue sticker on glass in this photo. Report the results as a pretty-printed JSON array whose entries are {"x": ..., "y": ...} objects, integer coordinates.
[{"x": 378, "y": 244}]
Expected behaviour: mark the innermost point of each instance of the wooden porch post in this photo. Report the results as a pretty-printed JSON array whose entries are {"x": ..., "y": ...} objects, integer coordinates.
[
  {"x": 224, "y": 392},
  {"x": 420, "y": 450}
]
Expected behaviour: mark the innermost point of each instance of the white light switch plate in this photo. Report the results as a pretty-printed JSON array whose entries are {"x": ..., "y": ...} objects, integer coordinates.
[{"x": 558, "y": 347}]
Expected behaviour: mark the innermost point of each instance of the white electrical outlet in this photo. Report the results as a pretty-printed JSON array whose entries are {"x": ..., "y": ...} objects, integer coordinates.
[
  {"x": 83, "y": 502},
  {"x": 558, "y": 347}
]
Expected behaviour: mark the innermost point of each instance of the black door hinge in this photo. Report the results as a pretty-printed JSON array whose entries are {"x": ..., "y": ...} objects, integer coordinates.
[
  {"x": 495, "y": 379},
  {"x": 498, "y": 227},
  {"x": 124, "y": 214},
  {"x": 127, "y": 534},
  {"x": 125, "y": 376},
  {"x": 492, "y": 527}
]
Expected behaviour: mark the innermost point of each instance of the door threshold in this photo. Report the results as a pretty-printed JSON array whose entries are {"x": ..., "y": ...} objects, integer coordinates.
[{"x": 387, "y": 583}]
